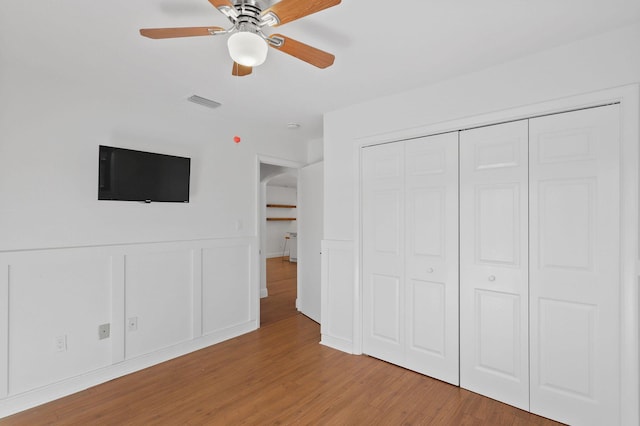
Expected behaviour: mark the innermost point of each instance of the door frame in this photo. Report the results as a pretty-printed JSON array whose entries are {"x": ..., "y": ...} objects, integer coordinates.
[
  {"x": 261, "y": 217},
  {"x": 629, "y": 99}
]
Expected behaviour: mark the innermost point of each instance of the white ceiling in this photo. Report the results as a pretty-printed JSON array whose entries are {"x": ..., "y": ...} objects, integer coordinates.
[
  {"x": 381, "y": 47},
  {"x": 289, "y": 180},
  {"x": 278, "y": 175}
]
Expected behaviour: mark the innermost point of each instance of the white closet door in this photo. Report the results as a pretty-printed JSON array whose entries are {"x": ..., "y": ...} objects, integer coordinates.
[
  {"x": 575, "y": 276},
  {"x": 431, "y": 303},
  {"x": 410, "y": 254},
  {"x": 383, "y": 251},
  {"x": 494, "y": 302}
]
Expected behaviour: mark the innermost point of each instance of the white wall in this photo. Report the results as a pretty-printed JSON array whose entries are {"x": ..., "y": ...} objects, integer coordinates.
[
  {"x": 190, "y": 269},
  {"x": 50, "y": 129},
  {"x": 600, "y": 62},
  {"x": 276, "y": 230},
  {"x": 315, "y": 151},
  {"x": 48, "y": 174}
]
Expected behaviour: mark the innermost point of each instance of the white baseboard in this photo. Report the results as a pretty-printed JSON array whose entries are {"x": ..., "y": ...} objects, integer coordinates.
[
  {"x": 264, "y": 293},
  {"x": 337, "y": 343},
  {"x": 278, "y": 254}
]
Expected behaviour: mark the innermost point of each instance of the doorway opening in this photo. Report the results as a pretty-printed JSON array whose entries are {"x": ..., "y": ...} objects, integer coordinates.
[{"x": 278, "y": 242}]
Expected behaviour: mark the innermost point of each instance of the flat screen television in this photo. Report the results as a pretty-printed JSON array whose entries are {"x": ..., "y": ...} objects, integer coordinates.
[{"x": 128, "y": 175}]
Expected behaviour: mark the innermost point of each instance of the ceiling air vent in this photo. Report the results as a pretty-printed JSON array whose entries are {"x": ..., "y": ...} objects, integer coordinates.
[{"x": 204, "y": 101}]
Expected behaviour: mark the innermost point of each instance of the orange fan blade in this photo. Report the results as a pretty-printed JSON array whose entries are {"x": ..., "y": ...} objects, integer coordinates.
[
  {"x": 158, "y": 33},
  {"x": 240, "y": 70},
  {"x": 290, "y": 10},
  {"x": 304, "y": 52},
  {"x": 220, "y": 3},
  {"x": 226, "y": 7}
]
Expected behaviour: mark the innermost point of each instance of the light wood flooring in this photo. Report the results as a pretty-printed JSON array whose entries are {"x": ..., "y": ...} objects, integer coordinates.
[
  {"x": 278, "y": 374},
  {"x": 281, "y": 285}
]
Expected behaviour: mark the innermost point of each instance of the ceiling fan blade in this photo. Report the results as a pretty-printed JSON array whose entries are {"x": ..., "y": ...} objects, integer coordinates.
[
  {"x": 304, "y": 52},
  {"x": 158, "y": 33},
  {"x": 240, "y": 70},
  {"x": 226, "y": 7},
  {"x": 221, "y": 3},
  {"x": 290, "y": 10}
]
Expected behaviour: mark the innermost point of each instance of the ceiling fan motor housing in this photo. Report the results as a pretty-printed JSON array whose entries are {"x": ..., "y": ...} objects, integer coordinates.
[{"x": 248, "y": 16}]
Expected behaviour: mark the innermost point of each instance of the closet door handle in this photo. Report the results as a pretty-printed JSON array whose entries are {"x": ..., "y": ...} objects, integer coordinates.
[
  {"x": 430, "y": 270},
  {"x": 492, "y": 277}
]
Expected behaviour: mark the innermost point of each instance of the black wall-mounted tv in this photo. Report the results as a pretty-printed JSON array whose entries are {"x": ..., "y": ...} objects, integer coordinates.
[{"x": 129, "y": 175}]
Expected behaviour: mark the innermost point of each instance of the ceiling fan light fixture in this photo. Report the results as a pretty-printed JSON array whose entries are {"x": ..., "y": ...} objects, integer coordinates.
[{"x": 247, "y": 48}]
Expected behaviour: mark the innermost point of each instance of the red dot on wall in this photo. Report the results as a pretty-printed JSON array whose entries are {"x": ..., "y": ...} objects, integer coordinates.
[{"x": 236, "y": 139}]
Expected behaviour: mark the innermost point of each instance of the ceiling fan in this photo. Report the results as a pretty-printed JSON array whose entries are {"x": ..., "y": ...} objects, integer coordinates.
[{"x": 247, "y": 43}]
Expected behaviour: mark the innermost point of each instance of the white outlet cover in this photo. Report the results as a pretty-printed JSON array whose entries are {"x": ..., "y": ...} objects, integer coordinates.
[
  {"x": 132, "y": 324},
  {"x": 104, "y": 331},
  {"x": 61, "y": 343}
]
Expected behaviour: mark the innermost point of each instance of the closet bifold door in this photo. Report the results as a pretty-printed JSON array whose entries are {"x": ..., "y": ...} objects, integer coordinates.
[
  {"x": 410, "y": 254},
  {"x": 494, "y": 339},
  {"x": 383, "y": 252},
  {"x": 431, "y": 256},
  {"x": 575, "y": 266}
]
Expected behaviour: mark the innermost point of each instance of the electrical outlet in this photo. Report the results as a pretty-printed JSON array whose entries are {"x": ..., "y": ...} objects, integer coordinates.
[
  {"x": 132, "y": 324},
  {"x": 61, "y": 343},
  {"x": 104, "y": 330}
]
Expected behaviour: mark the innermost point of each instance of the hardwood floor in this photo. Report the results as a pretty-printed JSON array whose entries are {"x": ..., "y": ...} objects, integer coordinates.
[
  {"x": 278, "y": 374},
  {"x": 281, "y": 284}
]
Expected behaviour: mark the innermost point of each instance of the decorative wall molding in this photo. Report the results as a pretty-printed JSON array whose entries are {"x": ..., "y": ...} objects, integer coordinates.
[
  {"x": 337, "y": 292},
  {"x": 68, "y": 292}
]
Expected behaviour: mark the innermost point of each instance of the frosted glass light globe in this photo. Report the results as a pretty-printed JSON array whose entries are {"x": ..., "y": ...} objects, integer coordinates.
[{"x": 247, "y": 48}]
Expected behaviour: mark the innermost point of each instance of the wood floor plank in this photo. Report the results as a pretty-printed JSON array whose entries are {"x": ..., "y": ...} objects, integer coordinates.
[{"x": 279, "y": 374}]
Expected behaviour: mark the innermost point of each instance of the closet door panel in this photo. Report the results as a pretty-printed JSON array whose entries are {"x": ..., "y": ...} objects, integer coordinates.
[
  {"x": 383, "y": 251},
  {"x": 494, "y": 262},
  {"x": 498, "y": 211},
  {"x": 431, "y": 304},
  {"x": 498, "y": 331},
  {"x": 575, "y": 276}
]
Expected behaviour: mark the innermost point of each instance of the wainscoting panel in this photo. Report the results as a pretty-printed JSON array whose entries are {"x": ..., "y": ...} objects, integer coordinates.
[
  {"x": 160, "y": 300},
  {"x": 338, "y": 295},
  {"x": 57, "y": 301},
  {"x": 226, "y": 287}
]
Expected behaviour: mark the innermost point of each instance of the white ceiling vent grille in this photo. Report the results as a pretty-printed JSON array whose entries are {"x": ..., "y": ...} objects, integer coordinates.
[{"x": 204, "y": 101}]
